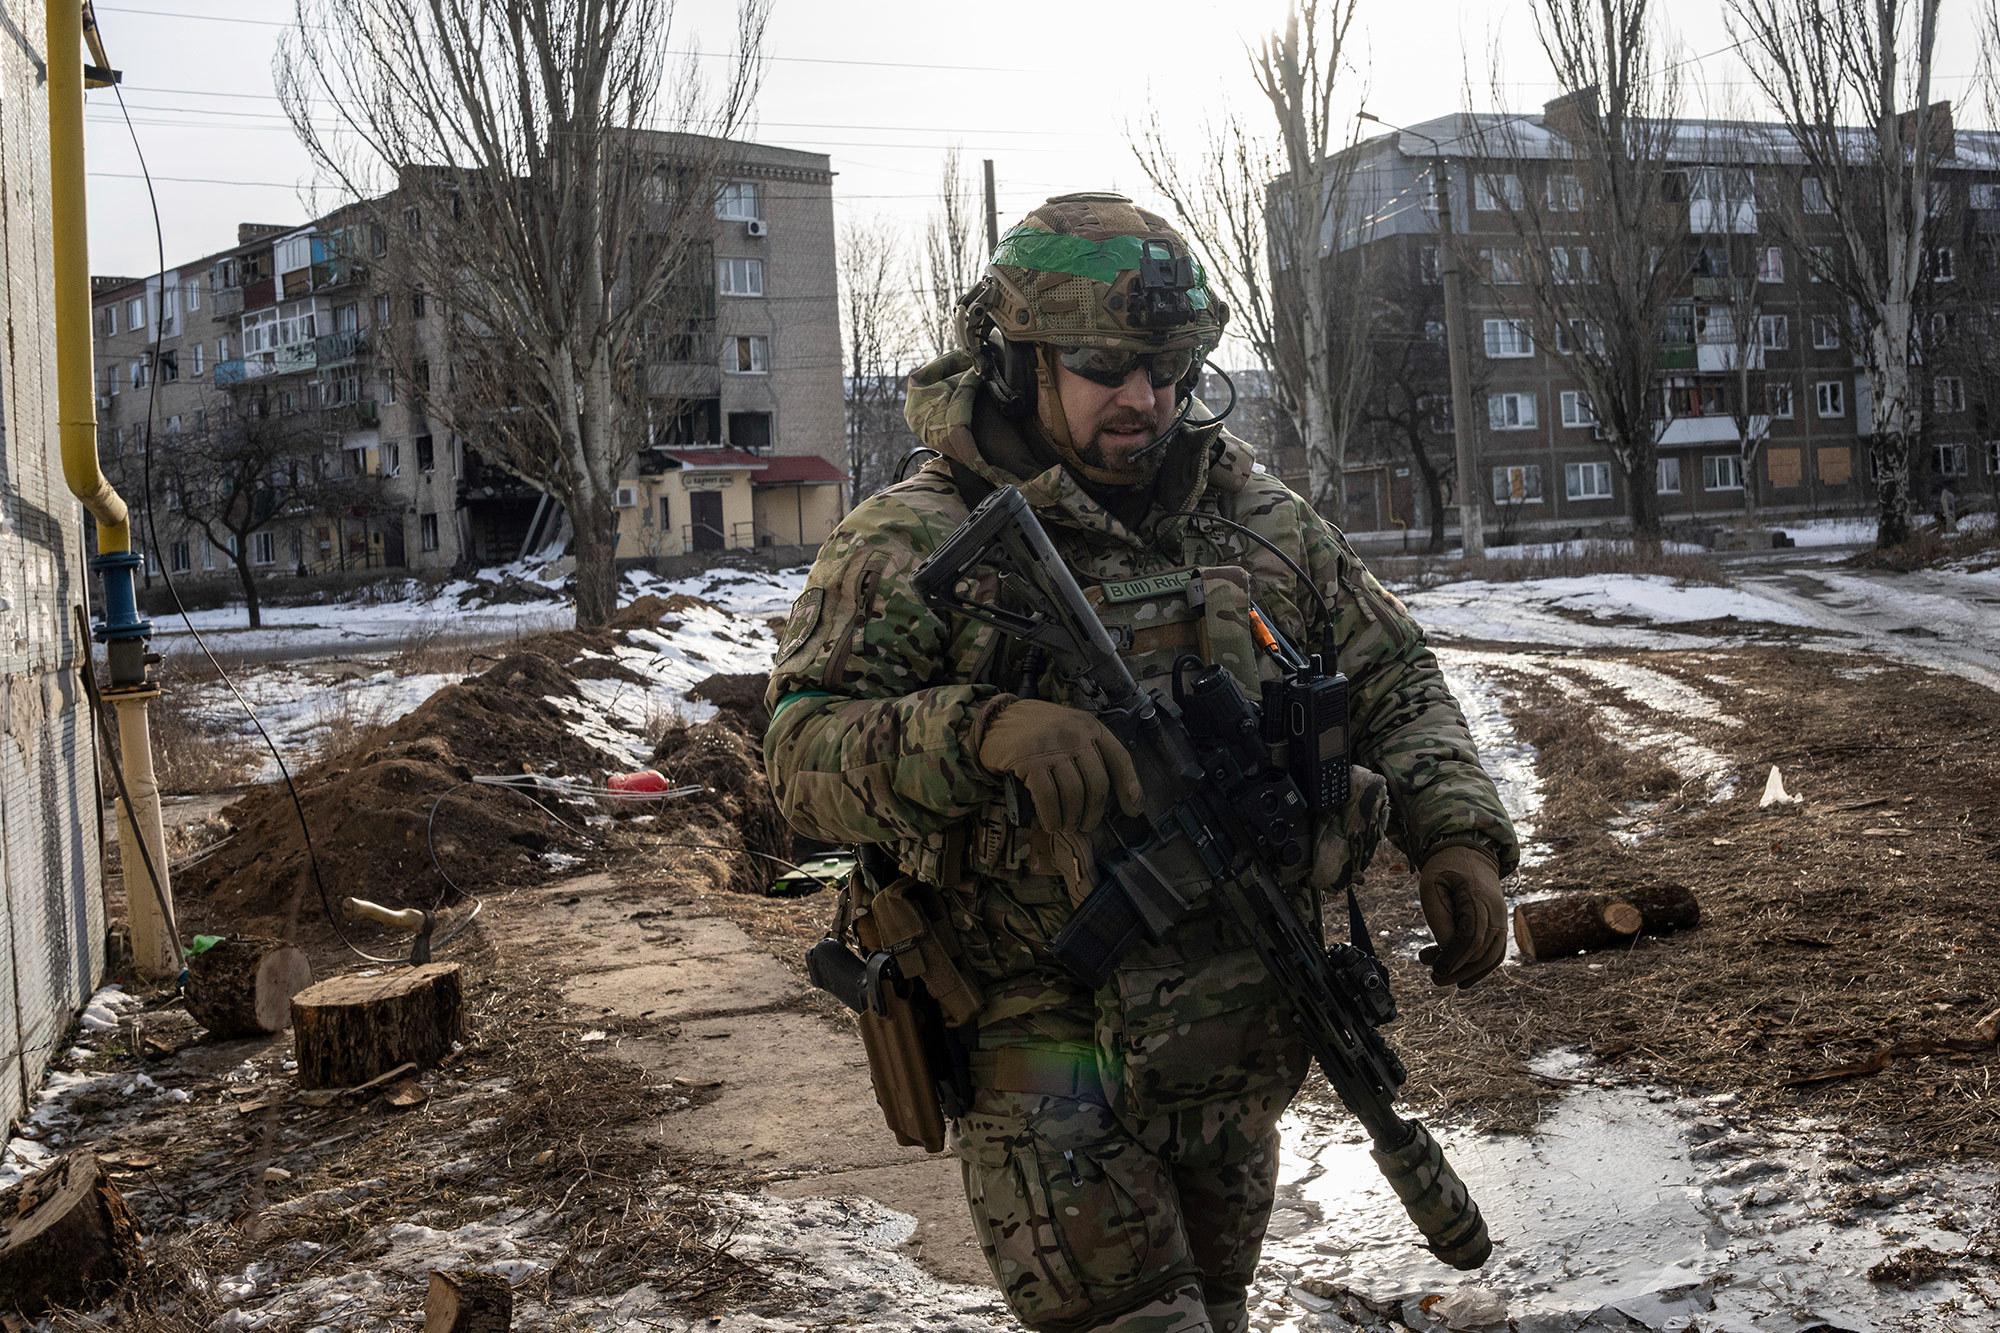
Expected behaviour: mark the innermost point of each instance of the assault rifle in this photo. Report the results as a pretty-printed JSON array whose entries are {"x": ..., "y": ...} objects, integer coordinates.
[{"x": 1212, "y": 790}]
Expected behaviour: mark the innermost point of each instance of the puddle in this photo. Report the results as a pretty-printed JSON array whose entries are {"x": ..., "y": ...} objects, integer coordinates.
[{"x": 1632, "y": 1209}]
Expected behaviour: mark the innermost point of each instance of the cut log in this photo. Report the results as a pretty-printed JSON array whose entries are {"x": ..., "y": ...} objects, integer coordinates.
[
  {"x": 346, "y": 1030},
  {"x": 468, "y": 1302},
  {"x": 242, "y": 985},
  {"x": 1580, "y": 922},
  {"x": 66, "y": 1238}
]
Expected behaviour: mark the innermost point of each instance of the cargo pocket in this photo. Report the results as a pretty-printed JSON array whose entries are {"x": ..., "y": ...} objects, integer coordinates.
[
  {"x": 1073, "y": 1215},
  {"x": 1183, "y": 1033}
]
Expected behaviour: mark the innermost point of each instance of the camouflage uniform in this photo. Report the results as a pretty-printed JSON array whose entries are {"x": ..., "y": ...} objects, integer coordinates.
[{"x": 1121, "y": 1153}]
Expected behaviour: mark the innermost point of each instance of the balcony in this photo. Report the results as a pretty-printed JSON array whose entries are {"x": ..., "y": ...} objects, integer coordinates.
[
  {"x": 224, "y": 301},
  {"x": 337, "y": 271},
  {"x": 261, "y": 293},
  {"x": 231, "y": 372},
  {"x": 294, "y": 358},
  {"x": 337, "y": 349},
  {"x": 683, "y": 379},
  {"x": 362, "y": 414}
]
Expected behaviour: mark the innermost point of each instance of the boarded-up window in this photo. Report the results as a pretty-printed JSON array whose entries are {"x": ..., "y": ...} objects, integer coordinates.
[
  {"x": 1836, "y": 466},
  {"x": 1785, "y": 465}
]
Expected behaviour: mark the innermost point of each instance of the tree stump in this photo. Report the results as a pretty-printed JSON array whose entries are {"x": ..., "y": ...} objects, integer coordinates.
[
  {"x": 1580, "y": 922},
  {"x": 346, "y": 1030},
  {"x": 242, "y": 986},
  {"x": 468, "y": 1302},
  {"x": 66, "y": 1238}
]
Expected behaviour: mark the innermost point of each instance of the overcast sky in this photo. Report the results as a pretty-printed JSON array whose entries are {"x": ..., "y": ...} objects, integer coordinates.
[{"x": 1047, "y": 88}]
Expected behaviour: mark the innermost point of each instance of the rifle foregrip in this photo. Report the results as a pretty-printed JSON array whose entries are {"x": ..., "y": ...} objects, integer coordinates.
[{"x": 1436, "y": 1200}]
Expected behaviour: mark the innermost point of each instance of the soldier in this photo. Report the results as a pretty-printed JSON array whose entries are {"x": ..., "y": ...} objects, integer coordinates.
[{"x": 1120, "y": 1149}]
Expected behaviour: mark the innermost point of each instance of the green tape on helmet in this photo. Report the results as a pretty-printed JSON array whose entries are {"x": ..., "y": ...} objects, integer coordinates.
[{"x": 1046, "y": 252}]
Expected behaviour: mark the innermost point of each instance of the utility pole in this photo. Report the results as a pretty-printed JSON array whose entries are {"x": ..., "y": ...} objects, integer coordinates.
[
  {"x": 1470, "y": 524},
  {"x": 992, "y": 212}
]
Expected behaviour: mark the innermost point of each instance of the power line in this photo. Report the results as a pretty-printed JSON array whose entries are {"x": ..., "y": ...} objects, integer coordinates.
[
  {"x": 782, "y": 124},
  {"x": 711, "y": 55}
]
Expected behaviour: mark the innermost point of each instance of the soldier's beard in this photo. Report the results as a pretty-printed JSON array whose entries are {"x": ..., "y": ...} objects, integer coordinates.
[{"x": 1114, "y": 458}]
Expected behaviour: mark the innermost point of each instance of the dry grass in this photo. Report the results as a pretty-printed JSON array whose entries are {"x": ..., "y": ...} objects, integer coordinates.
[
  {"x": 1928, "y": 548},
  {"x": 1571, "y": 560},
  {"x": 551, "y": 1125},
  {"x": 1837, "y": 972},
  {"x": 191, "y": 756}
]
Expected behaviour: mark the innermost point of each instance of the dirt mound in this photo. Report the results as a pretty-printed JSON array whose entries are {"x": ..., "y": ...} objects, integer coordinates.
[
  {"x": 739, "y": 696},
  {"x": 736, "y": 811},
  {"x": 370, "y": 807}
]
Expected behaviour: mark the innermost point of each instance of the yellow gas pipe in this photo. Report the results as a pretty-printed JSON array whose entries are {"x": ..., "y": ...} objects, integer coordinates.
[{"x": 149, "y": 902}]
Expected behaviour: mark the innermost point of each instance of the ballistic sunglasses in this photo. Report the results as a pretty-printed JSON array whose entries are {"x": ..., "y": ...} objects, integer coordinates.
[{"x": 1112, "y": 368}]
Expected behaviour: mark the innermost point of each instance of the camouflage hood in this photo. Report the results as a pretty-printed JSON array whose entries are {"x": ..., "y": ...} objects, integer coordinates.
[{"x": 948, "y": 413}]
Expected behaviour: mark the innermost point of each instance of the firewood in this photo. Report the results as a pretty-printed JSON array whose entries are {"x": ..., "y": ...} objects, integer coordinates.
[
  {"x": 468, "y": 1302},
  {"x": 349, "y": 1029},
  {"x": 1580, "y": 922},
  {"x": 66, "y": 1238},
  {"x": 242, "y": 986}
]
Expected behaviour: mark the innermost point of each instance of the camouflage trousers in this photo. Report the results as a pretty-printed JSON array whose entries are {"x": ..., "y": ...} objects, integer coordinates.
[{"x": 1092, "y": 1222}]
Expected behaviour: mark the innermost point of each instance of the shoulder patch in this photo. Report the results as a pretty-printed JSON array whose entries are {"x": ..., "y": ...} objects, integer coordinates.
[{"x": 801, "y": 623}]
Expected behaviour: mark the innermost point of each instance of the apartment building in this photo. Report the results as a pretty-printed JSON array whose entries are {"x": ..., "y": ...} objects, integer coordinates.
[
  {"x": 1542, "y": 465},
  {"x": 308, "y": 327}
]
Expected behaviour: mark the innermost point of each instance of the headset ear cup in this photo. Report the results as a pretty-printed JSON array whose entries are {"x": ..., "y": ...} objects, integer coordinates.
[{"x": 1009, "y": 371}]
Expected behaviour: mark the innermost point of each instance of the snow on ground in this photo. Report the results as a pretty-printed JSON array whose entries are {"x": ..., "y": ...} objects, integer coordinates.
[
  {"x": 42, "y": 1136},
  {"x": 1583, "y": 612},
  {"x": 300, "y": 711},
  {"x": 504, "y": 602},
  {"x": 1507, "y": 759},
  {"x": 1631, "y": 1208},
  {"x": 300, "y": 705}
]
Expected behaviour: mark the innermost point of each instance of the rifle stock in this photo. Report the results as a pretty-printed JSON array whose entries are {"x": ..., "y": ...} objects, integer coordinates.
[{"x": 1211, "y": 790}]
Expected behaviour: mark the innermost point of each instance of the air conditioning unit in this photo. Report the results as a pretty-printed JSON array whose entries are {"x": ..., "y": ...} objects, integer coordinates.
[
  {"x": 105, "y": 401},
  {"x": 628, "y": 497},
  {"x": 756, "y": 227}
]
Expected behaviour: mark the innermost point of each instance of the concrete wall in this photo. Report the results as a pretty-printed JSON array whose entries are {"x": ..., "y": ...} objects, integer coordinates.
[
  {"x": 52, "y": 938},
  {"x": 797, "y": 515},
  {"x": 645, "y": 529}
]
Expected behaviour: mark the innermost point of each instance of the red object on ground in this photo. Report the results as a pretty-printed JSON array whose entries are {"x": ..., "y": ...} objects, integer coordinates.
[{"x": 645, "y": 780}]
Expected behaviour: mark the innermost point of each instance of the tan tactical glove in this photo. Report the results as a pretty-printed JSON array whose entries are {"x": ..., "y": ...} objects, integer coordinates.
[
  {"x": 1459, "y": 888},
  {"x": 1069, "y": 762}
]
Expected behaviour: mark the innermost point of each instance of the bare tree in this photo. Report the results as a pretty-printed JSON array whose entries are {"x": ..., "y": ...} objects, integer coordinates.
[
  {"x": 1828, "y": 69},
  {"x": 881, "y": 344},
  {"x": 1275, "y": 219},
  {"x": 555, "y": 176},
  {"x": 1731, "y": 277},
  {"x": 1408, "y": 403},
  {"x": 1601, "y": 254},
  {"x": 952, "y": 257},
  {"x": 246, "y": 469}
]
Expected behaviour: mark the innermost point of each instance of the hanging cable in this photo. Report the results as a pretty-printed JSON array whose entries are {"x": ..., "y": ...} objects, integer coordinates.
[{"x": 166, "y": 576}]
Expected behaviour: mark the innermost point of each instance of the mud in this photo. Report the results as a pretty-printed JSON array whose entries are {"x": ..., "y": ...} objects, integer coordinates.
[{"x": 369, "y": 808}]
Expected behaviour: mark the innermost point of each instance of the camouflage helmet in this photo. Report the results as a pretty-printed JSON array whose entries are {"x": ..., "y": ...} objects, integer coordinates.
[{"x": 1093, "y": 270}]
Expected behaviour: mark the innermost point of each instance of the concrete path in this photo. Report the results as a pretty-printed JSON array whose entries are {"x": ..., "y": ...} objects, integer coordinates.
[{"x": 790, "y": 1093}]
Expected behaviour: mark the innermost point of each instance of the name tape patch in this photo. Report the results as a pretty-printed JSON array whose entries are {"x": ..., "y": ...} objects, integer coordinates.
[{"x": 1154, "y": 585}]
